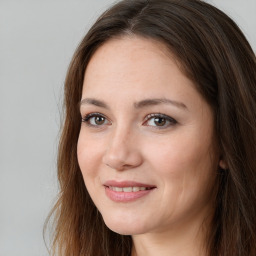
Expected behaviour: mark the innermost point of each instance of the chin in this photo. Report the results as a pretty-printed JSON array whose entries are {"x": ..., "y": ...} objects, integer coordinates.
[{"x": 124, "y": 227}]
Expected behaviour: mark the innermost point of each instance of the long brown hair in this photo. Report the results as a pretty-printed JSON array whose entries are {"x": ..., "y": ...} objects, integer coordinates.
[{"x": 214, "y": 54}]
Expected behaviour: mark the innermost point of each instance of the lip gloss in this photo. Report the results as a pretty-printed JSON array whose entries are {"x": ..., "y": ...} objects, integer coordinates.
[
  {"x": 125, "y": 196},
  {"x": 134, "y": 190}
]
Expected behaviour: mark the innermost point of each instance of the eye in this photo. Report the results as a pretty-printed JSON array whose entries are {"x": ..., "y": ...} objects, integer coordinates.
[
  {"x": 160, "y": 121},
  {"x": 95, "y": 119}
]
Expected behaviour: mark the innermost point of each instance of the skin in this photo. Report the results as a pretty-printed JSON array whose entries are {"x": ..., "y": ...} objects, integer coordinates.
[{"x": 180, "y": 159}]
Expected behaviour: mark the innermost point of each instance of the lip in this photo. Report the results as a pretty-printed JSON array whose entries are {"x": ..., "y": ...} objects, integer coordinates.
[
  {"x": 122, "y": 196},
  {"x": 121, "y": 184}
]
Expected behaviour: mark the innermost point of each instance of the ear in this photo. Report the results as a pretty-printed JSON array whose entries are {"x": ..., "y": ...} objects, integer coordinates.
[{"x": 223, "y": 164}]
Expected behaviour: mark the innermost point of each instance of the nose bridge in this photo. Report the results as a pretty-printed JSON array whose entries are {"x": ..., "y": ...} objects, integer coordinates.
[
  {"x": 119, "y": 143},
  {"x": 121, "y": 135},
  {"x": 121, "y": 150}
]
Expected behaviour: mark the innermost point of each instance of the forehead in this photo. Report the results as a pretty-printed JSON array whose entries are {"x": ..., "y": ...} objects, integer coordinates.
[
  {"x": 135, "y": 45},
  {"x": 131, "y": 60}
]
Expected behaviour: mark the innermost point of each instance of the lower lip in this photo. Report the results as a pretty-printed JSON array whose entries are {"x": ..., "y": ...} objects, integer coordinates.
[{"x": 126, "y": 196}]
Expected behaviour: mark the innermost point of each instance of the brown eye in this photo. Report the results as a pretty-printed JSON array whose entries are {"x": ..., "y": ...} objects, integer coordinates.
[
  {"x": 99, "y": 120},
  {"x": 95, "y": 119},
  {"x": 159, "y": 121}
]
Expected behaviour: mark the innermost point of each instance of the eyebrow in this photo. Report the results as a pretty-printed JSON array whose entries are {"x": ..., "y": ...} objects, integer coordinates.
[
  {"x": 153, "y": 102},
  {"x": 95, "y": 102},
  {"x": 137, "y": 105}
]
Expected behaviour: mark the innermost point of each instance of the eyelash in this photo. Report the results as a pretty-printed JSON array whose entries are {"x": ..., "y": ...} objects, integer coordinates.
[
  {"x": 169, "y": 121},
  {"x": 88, "y": 117}
]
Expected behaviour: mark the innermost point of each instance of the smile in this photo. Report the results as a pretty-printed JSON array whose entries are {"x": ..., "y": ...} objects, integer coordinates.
[{"x": 128, "y": 189}]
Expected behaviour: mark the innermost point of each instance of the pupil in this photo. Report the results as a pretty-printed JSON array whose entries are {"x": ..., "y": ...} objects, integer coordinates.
[
  {"x": 159, "y": 121},
  {"x": 99, "y": 120}
]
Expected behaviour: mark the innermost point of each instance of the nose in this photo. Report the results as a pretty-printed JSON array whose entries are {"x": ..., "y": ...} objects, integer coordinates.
[{"x": 122, "y": 151}]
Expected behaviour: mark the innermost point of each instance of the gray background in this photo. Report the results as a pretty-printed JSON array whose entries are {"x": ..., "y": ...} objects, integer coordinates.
[{"x": 37, "y": 40}]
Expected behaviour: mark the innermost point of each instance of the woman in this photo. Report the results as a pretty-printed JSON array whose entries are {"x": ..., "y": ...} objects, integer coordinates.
[{"x": 157, "y": 154}]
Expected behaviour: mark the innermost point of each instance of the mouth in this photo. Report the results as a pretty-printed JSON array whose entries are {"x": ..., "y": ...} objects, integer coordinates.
[{"x": 127, "y": 191}]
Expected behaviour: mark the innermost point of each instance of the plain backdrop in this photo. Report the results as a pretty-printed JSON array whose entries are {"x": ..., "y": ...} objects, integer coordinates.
[{"x": 37, "y": 40}]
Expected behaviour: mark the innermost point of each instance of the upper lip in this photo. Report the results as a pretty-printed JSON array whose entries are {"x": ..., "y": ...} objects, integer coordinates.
[{"x": 127, "y": 183}]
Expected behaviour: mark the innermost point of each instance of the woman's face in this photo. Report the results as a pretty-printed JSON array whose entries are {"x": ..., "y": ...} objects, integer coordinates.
[{"x": 147, "y": 148}]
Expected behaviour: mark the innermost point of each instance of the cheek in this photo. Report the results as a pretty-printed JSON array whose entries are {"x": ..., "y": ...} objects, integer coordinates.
[
  {"x": 89, "y": 160},
  {"x": 184, "y": 163},
  {"x": 192, "y": 148},
  {"x": 88, "y": 153},
  {"x": 187, "y": 177},
  {"x": 175, "y": 155}
]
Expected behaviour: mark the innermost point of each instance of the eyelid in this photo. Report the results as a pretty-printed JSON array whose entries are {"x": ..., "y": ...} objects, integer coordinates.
[{"x": 87, "y": 116}]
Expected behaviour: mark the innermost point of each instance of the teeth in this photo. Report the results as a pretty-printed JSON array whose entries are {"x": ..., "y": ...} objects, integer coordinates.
[
  {"x": 117, "y": 189},
  {"x": 128, "y": 189}
]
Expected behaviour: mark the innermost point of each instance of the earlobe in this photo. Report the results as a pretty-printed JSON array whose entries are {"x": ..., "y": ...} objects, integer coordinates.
[{"x": 222, "y": 164}]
